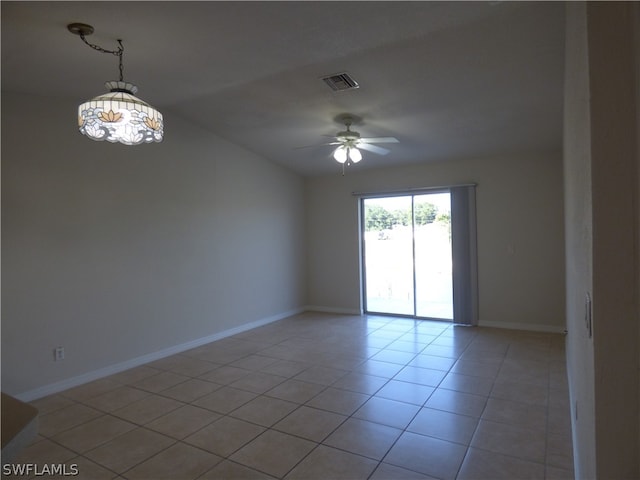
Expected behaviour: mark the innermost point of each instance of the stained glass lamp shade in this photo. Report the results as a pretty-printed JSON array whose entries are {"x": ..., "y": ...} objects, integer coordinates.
[{"x": 120, "y": 116}]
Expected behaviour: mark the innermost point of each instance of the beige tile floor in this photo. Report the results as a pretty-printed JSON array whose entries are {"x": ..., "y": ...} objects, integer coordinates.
[{"x": 320, "y": 396}]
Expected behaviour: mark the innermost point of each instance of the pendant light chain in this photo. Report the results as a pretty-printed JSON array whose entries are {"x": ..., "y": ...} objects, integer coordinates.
[{"x": 119, "y": 52}]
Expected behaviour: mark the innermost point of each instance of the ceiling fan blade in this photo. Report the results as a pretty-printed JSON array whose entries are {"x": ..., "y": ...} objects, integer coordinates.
[
  {"x": 380, "y": 140},
  {"x": 318, "y": 145},
  {"x": 373, "y": 148}
]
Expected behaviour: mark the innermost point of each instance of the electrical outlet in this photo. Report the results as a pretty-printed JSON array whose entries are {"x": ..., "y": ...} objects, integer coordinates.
[{"x": 58, "y": 353}]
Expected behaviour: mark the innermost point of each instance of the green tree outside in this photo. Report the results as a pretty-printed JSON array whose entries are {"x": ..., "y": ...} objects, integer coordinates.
[
  {"x": 378, "y": 218},
  {"x": 424, "y": 213}
]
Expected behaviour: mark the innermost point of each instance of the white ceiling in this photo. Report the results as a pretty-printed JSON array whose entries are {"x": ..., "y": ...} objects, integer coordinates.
[{"x": 448, "y": 79}]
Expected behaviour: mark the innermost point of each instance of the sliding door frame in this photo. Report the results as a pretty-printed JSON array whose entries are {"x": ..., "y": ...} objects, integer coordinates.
[
  {"x": 363, "y": 275},
  {"x": 467, "y": 305}
]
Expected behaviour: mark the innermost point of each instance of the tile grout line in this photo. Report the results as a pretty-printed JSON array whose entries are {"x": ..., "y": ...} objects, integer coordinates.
[
  {"x": 466, "y": 454},
  {"x": 393, "y": 336}
]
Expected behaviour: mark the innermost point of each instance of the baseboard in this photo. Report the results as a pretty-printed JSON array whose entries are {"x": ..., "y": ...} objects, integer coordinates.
[
  {"x": 150, "y": 357},
  {"x": 529, "y": 327},
  {"x": 344, "y": 311}
]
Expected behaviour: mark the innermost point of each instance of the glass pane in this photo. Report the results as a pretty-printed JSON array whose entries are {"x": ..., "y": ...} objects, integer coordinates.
[
  {"x": 434, "y": 288},
  {"x": 388, "y": 255}
]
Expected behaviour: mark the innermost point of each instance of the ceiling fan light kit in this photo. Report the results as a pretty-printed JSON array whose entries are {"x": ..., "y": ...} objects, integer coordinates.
[
  {"x": 350, "y": 142},
  {"x": 344, "y": 153},
  {"x": 118, "y": 115}
]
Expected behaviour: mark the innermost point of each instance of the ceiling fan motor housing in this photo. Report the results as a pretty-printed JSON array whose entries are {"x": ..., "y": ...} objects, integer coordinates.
[{"x": 348, "y": 136}]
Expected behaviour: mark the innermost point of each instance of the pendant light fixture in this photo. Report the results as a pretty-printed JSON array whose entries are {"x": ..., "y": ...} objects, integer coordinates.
[{"x": 118, "y": 115}]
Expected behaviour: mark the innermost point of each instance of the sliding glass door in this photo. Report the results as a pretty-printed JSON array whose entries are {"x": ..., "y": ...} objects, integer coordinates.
[
  {"x": 432, "y": 255},
  {"x": 406, "y": 244},
  {"x": 388, "y": 257}
]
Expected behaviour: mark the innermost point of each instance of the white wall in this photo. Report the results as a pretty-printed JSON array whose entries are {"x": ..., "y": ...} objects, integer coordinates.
[
  {"x": 579, "y": 233},
  {"x": 614, "y": 164},
  {"x": 117, "y": 252},
  {"x": 637, "y": 49},
  {"x": 519, "y": 205},
  {"x": 602, "y": 221}
]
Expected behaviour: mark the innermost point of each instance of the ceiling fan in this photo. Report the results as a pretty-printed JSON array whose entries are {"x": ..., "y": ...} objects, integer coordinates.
[{"x": 350, "y": 143}]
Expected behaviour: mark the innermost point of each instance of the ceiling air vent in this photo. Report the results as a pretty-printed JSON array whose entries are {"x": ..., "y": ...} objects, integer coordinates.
[{"x": 340, "y": 82}]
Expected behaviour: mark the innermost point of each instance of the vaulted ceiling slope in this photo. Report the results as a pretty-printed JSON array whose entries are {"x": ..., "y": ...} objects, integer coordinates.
[{"x": 448, "y": 79}]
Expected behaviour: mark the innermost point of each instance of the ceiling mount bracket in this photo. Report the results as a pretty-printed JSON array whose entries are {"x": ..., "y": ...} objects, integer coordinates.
[{"x": 80, "y": 29}]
